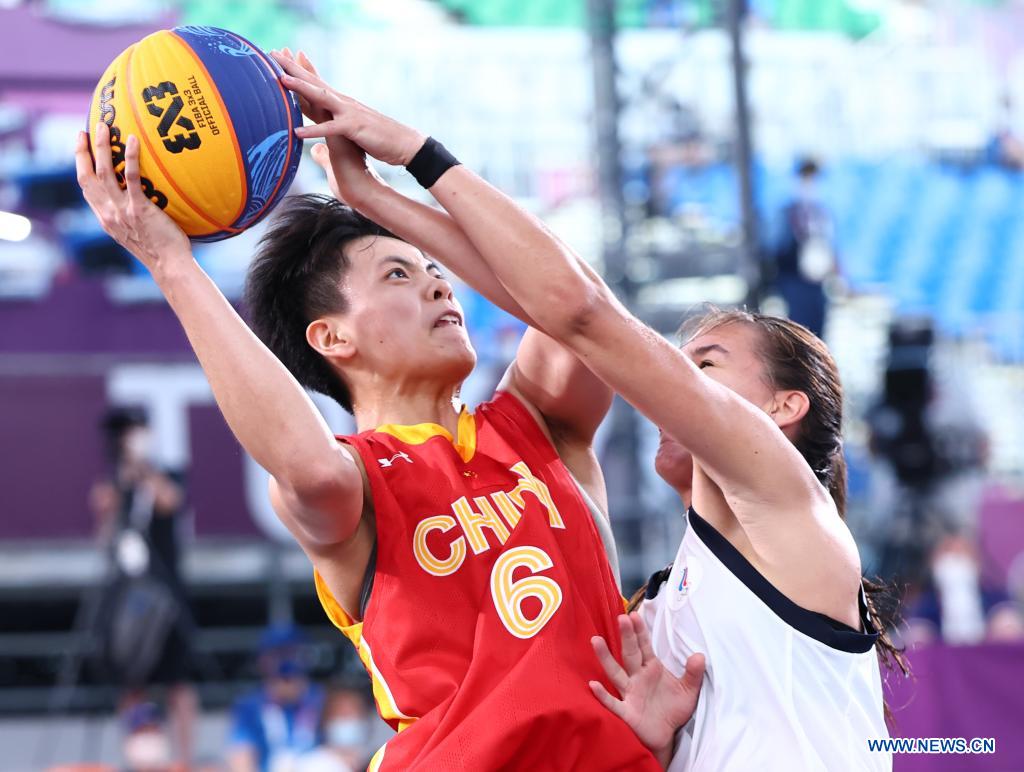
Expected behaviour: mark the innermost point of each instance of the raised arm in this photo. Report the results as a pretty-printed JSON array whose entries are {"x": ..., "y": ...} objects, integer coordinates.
[
  {"x": 570, "y": 399},
  {"x": 736, "y": 443},
  {"x": 315, "y": 479}
]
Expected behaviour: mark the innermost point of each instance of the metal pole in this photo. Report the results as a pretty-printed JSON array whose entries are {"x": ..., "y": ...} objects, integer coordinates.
[
  {"x": 621, "y": 457},
  {"x": 606, "y": 119},
  {"x": 750, "y": 267}
]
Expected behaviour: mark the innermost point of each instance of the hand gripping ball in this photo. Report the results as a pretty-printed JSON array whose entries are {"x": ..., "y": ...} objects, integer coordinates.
[{"x": 216, "y": 128}]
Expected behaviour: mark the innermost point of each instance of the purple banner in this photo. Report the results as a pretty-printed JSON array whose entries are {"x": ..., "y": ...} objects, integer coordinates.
[
  {"x": 969, "y": 692},
  {"x": 79, "y": 317}
]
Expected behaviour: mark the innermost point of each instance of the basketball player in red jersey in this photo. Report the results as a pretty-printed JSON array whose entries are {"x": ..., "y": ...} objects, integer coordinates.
[{"x": 455, "y": 549}]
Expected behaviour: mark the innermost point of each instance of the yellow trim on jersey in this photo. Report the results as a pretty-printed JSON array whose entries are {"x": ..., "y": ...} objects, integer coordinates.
[
  {"x": 378, "y": 759},
  {"x": 417, "y": 434},
  {"x": 353, "y": 630}
]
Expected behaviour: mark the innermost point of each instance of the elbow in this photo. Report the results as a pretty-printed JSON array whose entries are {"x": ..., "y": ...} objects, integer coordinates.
[
  {"x": 570, "y": 311},
  {"x": 308, "y": 480}
]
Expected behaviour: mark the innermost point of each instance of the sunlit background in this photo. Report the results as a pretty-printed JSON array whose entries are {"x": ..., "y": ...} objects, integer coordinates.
[{"x": 628, "y": 127}]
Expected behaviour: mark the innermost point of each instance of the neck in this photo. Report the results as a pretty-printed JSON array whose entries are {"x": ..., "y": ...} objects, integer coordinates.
[{"x": 405, "y": 407}]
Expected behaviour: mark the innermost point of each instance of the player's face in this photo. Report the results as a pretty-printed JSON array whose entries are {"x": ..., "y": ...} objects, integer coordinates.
[
  {"x": 403, "y": 317},
  {"x": 728, "y": 355}
]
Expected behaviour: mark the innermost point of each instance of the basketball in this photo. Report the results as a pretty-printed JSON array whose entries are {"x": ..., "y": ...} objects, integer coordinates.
[{"x": 216, "y": 128}]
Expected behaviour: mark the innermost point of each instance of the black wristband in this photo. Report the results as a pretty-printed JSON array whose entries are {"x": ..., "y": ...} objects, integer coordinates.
[{"x": 430, "y": 162}]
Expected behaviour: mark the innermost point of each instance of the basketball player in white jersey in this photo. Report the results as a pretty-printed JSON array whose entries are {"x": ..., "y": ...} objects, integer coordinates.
[
  {"x": 768, "y": 584},
  {"x": 788, "y": 686}
]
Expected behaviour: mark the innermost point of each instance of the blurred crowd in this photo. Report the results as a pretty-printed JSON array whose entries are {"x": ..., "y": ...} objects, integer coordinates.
[
  {"x": 144, "y": 622},
  {"x": 933, "y": 507},
  {"x": 289, "y": 723}
]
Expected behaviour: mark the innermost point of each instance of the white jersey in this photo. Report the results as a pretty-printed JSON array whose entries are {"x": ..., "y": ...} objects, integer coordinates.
[{"x": 785, "y": 688}]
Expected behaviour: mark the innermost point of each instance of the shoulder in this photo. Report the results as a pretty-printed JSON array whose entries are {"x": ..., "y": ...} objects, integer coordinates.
[
  {"x": 350, "y": 445},
  {"x": 518, "y": 409},
  {"x": 553, "y": 443},
  {"x": 509, "y": 410},
  {"x": 810, "y": 556},
  {"x": 509, "y": 401}
]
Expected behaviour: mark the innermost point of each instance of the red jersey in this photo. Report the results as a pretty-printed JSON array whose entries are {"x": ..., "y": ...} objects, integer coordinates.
[{"x": 490, "y": 580}]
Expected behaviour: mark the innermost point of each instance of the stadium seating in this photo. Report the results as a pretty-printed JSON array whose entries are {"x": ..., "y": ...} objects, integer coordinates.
[{"x": 941, "y": 240}]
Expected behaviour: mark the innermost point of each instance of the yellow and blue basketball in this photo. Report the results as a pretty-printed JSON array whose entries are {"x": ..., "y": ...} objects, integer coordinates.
[{"x": 215, "y": 125}]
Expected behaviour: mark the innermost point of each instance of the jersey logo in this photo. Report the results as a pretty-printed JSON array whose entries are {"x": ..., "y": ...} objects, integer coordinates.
[
  {"x": 683, "y": 586},
  {"x": 686, "y": 585},
  {"x": 389, "y": 462}
]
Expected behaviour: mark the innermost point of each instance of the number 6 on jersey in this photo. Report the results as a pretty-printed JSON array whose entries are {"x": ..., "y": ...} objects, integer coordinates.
[{"x": 509, "y": 593}]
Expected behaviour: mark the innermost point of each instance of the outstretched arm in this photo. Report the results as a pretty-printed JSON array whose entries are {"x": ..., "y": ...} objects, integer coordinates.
[
  {"x": 266, "y": 408},
  {"x": 736, "y": 443},
  {"x": 570, "y": 399}
]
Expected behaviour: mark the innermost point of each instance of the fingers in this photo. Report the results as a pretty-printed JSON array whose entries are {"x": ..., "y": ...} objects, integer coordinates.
[
  {"x": 306, "y": 86},
  {"x": 319, "y": 103},
  {"x": 612, "y": 669},
  {"x": 299, "y": 58},
  {"x": 321, "y": 154},
  {"x": 632, "y": 659},
  {"x": 295, "y": 70},
  {"x": 614, "y": 705},
  {"x": 84, "y": 168},
  {"x": 693, "y": 676},
  {"x": 317, "y": 115},
  {"x": 131, "y": 173},
  {"x": 643, "y": 637},
  {"x": 97, "y": 196},
  {"x": 331, "y": 128},
  {"x": 322, "y": 157},
  {"x": 306, "y": 63},
  {"x": 104, "y": 160}
]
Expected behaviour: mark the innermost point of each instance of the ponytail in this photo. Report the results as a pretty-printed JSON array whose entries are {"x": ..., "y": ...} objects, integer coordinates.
[
  {"x": 634, "y": 602},
  {"x": 883, "y": 602},
  {"x": 837, "y": 480}
]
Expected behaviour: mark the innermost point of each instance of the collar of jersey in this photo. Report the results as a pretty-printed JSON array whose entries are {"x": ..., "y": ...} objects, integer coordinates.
[{"x": 417, "y": 434}]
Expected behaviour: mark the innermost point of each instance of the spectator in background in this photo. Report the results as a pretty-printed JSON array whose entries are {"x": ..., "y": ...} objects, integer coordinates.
[
  {"x": 958, "y": 606},
  {"x": 804, "y": 257},
  {"x": 146, "y": 623},
  {"x": 933, "y": 450},
  {"x": 347, "y": 728},
  {"x": 146, "y": 748},
  {"x": 676, "y": 156},
  {"x": 1006, "y": 147},
  {"x": 273, "y": 727}
]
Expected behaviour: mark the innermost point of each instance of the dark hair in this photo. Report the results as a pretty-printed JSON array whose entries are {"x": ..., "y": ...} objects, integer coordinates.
[
  {"x": 797, "y": 359},
  {"x": 118, "y": 420},
  {"x": 115, "y": 424},
  {"x": 807, "y": 167},
  {"x": 295, "y": 278}
]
